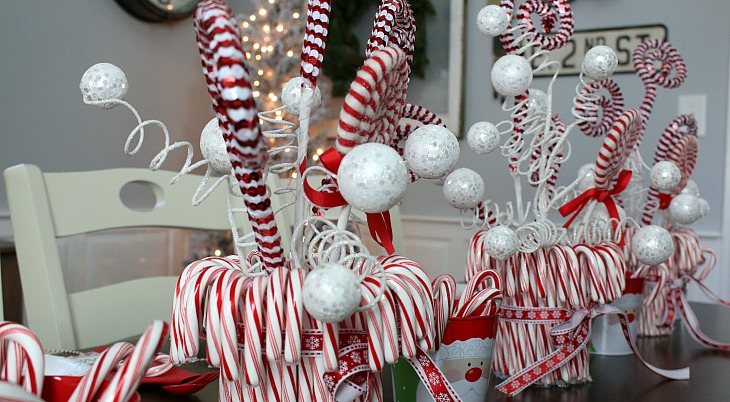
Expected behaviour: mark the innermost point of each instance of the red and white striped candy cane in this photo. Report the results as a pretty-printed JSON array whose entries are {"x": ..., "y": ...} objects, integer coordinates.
[
  {"x": 620, "y": 141},
  {"x": 394, "y": 24},
  {"x": 239, "y": 122},
  {"x": 315, "y": 39},
  {"x": 275, "y": 313},
  {"x": 254, "y": 331},
  {"x": 22, "y": 361},
  {"x": 444, "y": 294},
  {"x": 669, "y": 149},
  {"x": 374, "y": 104},
  {"x": 105, "y": 362},
  {"x": 370, "y": 289},
  {"x": 671, "y": 74},
  {"x": 127, "y": 379},
  {"x": 236, "y": 286},
  {"x": 294, "y": 316}
]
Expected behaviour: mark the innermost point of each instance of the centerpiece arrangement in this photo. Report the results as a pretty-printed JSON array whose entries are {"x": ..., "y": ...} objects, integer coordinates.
[{"x": 320, "y": 318}]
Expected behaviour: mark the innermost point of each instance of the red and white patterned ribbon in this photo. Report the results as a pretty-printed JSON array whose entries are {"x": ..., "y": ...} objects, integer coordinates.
[
  {"x": 570, "y": 337},
  {"x": 677, "y": 300}
]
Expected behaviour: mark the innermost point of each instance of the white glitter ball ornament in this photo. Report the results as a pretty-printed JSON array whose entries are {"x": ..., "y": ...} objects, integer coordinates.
[
  {"x": 500, "y": 242},
  {"x": 431, "y": 151},
  {"x": 102, "y": 83},
  {"x": 600, "y": 212},
  {"x": 600, "y": 62},
  {"x": 665, "y": 176},
  {"x": 372, "y": 177},
  {"x": 587, "y": 175},
  {"x": 511, "y": 75},
  {"x": 652, "y": 245},
  {"x": 704, "y": 206},
  {"x": 213, "y": 147},
  {"x": 685, "y": 209},
  {"x": 483, "y": 137},
  {"x": 492, "y": 20},
  {"x": 463, "y": 188},
  {"x": 537, "y": 101},
  {"x": 331, "y": 293},
  {"x": 691, "y": 188},
  {"x": 291, "y": 95}
]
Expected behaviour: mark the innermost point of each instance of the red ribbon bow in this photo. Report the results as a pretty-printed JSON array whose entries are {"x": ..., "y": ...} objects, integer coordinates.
[
  {"x": 664, "y": 200},
  {"x": 378, "y": 223},
  {"x": 576, "y": 205}
]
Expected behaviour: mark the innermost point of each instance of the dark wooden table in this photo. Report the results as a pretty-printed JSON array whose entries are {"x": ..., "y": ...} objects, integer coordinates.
[{"x": 615, "y": 378}]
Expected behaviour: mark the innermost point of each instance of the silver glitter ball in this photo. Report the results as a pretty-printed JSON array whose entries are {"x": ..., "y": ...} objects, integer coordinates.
[
  {"x": 372, "y": 177},
  {"x": 685, "y": 209},
  {"x": 500, "y": 242},
  {"x": 431, "y": 151},
  {"x": 102, "y": 83},
  {"x": 463, "y": 188},
  {"x": 483, "y": 137},
  {"x": 331, "y": 293},
  {"x": 213, "y": 147},
  {"x": 291, "y": 95},
  {"x": 652, "y": 245},
  {"x": 492, "y": 20},
  {"x": 665, "y": 176},
  {"x": 600, "y": 62},
  {"x": 511, "y": 75}
]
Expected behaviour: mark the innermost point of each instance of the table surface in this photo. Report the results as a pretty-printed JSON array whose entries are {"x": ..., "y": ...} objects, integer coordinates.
[{"x": 615, "y": 378}]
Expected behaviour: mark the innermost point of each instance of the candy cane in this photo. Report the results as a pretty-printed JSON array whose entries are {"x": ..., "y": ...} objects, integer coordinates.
[
  {"x": 374, "y": 104},
  {"x": 125, "y": 382},
  {"x": 253, "y": 321},
  {"x": 105, "y": 362},
  {"x": 294, "y": 317},
  {"x": 25, "y": 353}
]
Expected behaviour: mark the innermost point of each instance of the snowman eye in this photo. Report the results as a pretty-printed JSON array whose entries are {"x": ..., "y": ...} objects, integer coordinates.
[
  {"x": 481, "y": 363},
  {"x": 468, "y": 364}
]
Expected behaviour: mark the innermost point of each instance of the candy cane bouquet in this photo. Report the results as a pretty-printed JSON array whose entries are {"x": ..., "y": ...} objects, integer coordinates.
[
  {"x": 555, "y": 279},
  {"x": 321, "y": 321}
]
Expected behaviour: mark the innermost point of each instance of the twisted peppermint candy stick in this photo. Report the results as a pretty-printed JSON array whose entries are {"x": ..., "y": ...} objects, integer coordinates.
[
  {"x": 240, "y": 124},
  {"x": 28, "y": 354},
  {"x": 669, "y": 149},
  {"x": 315, "y": 39},
  {"x": 394, "y": 24},
  {"x": 670, "y": 75},
  {"x": 128, "y": 377}
]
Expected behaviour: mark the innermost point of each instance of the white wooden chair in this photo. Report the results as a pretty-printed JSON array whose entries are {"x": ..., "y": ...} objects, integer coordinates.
[{"x": 45, "y": 207}]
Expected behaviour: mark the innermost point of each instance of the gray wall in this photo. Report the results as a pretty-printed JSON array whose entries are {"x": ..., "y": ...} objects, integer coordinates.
[{"x": 48, "y": 45}]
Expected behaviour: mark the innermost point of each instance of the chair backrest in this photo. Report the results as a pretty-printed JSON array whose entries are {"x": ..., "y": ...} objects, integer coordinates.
[{"x": 45, "y": 207}]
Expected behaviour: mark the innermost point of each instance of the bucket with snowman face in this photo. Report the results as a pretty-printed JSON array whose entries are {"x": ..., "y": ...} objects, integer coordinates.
[{"x": 464, "y": 358}]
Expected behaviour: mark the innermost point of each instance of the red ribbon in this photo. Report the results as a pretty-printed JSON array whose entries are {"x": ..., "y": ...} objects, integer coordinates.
[
  {"x": 576, "y": 205},
  {"x": 664, "y": 200},
  {"x": 379, "y": 223},
  {"x": 571, "y": 336},
  {"x": 677, "y": 300}
]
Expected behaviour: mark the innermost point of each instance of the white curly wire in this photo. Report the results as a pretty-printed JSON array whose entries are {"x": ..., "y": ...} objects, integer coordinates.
[
  {"x": 539, "y": 234},
  {"x": 286, "y": 132},
  {"x": 324, "y": 242},
  {"x": 201, "y": 192}
]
